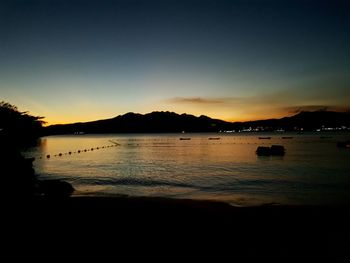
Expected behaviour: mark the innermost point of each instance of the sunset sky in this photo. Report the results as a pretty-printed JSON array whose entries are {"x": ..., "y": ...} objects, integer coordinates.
[{"x": 82, "y": 60}]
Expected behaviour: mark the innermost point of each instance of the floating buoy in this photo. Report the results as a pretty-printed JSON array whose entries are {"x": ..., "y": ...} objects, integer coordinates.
[{"x": 79, "y": 151}]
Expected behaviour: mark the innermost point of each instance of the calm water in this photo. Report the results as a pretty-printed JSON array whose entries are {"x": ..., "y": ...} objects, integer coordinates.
[{"x": 313, "y": 171}]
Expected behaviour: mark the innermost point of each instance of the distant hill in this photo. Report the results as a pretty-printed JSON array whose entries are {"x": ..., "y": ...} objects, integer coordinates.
[
  {"x": 305, "y": 120},
  {"x": 148, "y": 123},
  {"x": 166, "y": 122}
]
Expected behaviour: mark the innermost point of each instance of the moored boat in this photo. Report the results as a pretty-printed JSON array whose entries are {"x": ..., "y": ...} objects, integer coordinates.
[{"x": 274, "y": 150}]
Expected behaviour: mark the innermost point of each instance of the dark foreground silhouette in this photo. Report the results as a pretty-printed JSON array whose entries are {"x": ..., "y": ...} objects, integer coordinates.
[
  {"x": 19, "y": 130},
  {"x": 19, "y": 181},
  {"x": 281, "y": 232}
]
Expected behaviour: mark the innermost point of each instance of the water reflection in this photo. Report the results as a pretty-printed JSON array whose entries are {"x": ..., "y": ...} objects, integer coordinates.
[{"x": 312, "y": 171}]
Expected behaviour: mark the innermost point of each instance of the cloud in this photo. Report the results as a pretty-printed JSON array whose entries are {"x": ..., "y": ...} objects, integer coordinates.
[
  {"x": 298, "y": 109},
  {"x": 275, "y": 104},
  {"x": 274, "y": 98},
  {"x": 198, "y": 100}
]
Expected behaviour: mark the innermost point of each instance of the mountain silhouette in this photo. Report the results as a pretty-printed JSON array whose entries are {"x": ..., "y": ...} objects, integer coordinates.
[
  {"x": 168, "y": 122},
  {"x": 137, "y": 123},
  {"x": 305, "y": 120}
]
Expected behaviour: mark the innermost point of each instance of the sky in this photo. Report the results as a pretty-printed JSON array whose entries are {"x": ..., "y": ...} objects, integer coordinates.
[{"x": 76, "y": 60}]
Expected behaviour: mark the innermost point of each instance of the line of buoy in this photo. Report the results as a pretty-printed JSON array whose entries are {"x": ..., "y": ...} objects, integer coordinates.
[{"x": 48, "y": 156}]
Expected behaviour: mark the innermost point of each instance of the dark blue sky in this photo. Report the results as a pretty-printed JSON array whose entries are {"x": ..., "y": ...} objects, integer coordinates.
[{"x": 82, "y": 60}]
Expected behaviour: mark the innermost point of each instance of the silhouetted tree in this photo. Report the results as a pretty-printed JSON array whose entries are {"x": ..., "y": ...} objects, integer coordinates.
[
  {"x": 17, "y": 130},
  {"x": 17, "y": 127},
  {"x": 18, "y": 179}
]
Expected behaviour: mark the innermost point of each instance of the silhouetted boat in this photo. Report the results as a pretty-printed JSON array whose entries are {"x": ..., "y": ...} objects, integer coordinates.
[
  {"x": 264, "y": 138},
  {"x": 287, "y": 137},
  {"x": 325, "y": 137},
  {"x": 214, "y": 138},
  {"x": 274, "y": 150},
  {"x": 263, "y": 151},
  {"x": 183, "y": 139},
  {"x": 277, "y": 150}
]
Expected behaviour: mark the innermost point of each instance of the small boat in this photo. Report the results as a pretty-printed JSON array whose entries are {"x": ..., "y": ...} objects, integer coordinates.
[
  {"x": 264, "y": 138},
  {"x": 274, "y": 150},
  {"x": 287, "y": 137},
  {"x": 277, "y": 150},
  {"x": 185, "y": 139},
  {"x": 214, "y": 138},
  {"x": 263, "y": 151}
]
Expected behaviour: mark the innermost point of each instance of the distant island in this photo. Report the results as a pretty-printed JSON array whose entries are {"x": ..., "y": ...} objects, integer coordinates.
[{"x": 170, "y": 122}]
